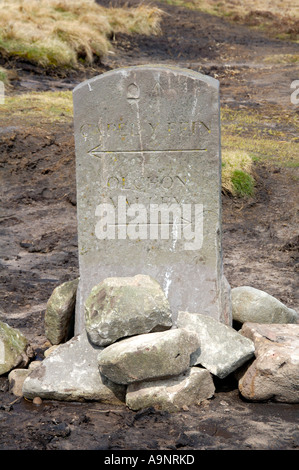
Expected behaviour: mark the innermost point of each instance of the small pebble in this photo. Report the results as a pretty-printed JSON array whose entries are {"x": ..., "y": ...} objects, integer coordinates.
[{"x": 37, "y": 401}]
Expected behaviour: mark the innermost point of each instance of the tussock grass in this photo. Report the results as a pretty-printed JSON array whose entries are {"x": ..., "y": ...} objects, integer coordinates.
[
  {"x": 38, "y": 108},
  {"x": 237, "y": 172},
  {"x": 280, "y": 18},
  {"x": 61, "y": 33},
  {"x": 3, "y": 75}
]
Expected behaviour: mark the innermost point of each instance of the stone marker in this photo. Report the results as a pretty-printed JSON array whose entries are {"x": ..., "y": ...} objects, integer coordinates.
[{"x": 148, "y": 169}]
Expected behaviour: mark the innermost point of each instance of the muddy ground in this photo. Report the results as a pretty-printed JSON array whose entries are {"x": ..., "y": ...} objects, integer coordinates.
[{"x": 39, "y": 244}]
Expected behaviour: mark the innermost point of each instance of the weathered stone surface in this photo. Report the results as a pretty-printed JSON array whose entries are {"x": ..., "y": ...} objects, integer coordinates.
[
  {"x": 274, "y": 374},
  {"x": 60, "y": 312},
  {"x": 121, "y": 307},
  {"x": 189, "y": 388},
  {"x": 34, "y": 364},
  {"x": 70, "y": 373},
  {"x": 222, "y": 349},
  {"x": 256, "y": 306},
  {"x": 148, "y": 168},
  {"x": 148, "y": 356},
  {"x": 16, "y": 379},
  {"x": 15, "y": 350},
  {"x": 49, "y": 351}
]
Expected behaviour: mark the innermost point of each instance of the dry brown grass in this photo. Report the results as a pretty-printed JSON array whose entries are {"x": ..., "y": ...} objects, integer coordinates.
[
  {"x": 280, "y": 18},
  {"x": 65, "y": 32}
]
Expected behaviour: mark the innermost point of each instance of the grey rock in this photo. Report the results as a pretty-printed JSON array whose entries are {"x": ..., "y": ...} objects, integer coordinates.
[
  {"x": 256, "y": 306},
  {"x": 222, "y": 349},
  {"x": 49, "y": 351},
  {"x": 148, "y": 356},
  {"x": 173, "y": 394},
  {"x": 121, "y": 307},
  {"x": 70, "y": 373},
  {"x": 15, "y": 350},
  {"x": 34, "y": 364},
  {"x": 60, "y": 312},
  {"x": 274, "y": 373},
  {"x": 16, "y": 379}
]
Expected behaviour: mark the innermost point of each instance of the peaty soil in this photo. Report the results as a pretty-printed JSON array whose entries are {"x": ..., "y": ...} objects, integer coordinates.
[{"x": 39, "y": 243}]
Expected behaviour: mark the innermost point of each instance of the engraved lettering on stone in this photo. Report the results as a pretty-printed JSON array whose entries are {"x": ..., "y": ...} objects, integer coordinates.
[{"x": 133, "y": 92}]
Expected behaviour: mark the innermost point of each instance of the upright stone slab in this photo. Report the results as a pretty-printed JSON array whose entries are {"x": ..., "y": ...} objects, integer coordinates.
[{"x": 149, "y": 185}]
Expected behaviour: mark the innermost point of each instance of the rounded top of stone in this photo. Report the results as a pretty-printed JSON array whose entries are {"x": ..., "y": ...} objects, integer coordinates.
[{"x": 126, "y": 71}]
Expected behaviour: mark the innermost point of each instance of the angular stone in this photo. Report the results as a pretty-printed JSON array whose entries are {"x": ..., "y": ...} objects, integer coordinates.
[
  {"x": 15, "y": 350},
  {"x": 148, "y": 356},
  {"x": 148, "y": 168},
  {"x": 70, "y": 373},
  {"x": 60, "y": 312},
  {"x": 121, "y": 307},
  {"x": 222, "y": 349},
  {"x": 189, "y": 388},
  {"x": 256, "y": 306},
  {"x": 274, "y": 374},
  {"x": 16, "y": 379}
]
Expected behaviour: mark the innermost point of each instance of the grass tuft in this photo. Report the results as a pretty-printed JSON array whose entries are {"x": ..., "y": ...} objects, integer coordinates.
[
  {"x": 63, "y": 33},
  {"x": 243, "y": 183},
  {"x": 3, "y": 76},
  {"x": 237, "y": 167}
]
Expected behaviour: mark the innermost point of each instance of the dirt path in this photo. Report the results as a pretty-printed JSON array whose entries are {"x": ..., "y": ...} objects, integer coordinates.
[{"x": 39, "y": 245}]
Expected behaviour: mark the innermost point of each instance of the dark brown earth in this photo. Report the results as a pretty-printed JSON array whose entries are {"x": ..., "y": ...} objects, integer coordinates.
[{"x": 39, "y": 244}]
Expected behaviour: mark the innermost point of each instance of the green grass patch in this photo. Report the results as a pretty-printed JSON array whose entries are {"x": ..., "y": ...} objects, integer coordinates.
[
  {"x": 38, "y": 107},
  {"x": 237, "y": 172},
  {"x": 3, "y": 76},
  {"x": 243, "y": 183}
]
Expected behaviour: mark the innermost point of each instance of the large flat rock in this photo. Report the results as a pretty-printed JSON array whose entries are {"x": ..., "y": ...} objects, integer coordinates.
[{"x": 70, "y": 373}]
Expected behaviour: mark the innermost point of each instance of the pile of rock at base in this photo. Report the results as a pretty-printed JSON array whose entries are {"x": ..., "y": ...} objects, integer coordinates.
[{"x": 131, "y": 352}]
